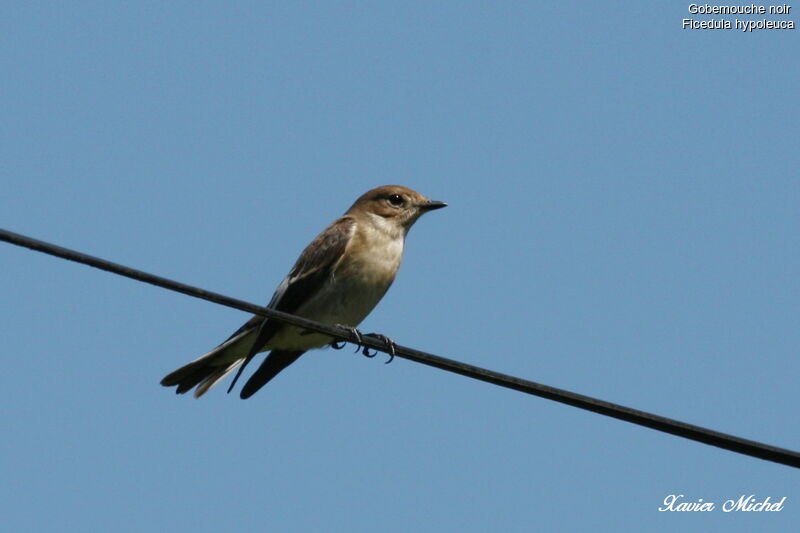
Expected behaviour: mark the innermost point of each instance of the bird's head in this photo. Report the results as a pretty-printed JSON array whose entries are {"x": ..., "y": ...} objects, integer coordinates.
[{"x": 395, "y": 204}]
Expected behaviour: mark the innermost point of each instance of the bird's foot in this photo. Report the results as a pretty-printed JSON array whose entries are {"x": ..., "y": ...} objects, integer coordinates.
[
  {"x": 338, "y": 345},
  {"x": 390, "y": 345},
  {"x": 365, "y": 350}
]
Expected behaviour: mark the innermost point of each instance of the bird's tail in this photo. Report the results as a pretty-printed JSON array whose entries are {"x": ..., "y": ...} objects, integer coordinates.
[
  {"x": 208, "y": 370},
  {"x": 276, "y": 361}
]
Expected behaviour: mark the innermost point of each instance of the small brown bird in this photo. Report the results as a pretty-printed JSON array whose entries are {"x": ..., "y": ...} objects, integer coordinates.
[{"x": 338, "y": 279}]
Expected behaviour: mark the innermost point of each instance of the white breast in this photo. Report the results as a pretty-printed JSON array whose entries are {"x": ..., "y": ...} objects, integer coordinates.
[{"x": 359, "y": 282}]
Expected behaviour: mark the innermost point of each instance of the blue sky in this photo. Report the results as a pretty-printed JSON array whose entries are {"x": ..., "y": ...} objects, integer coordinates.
[{"x": 623, "y": 223}]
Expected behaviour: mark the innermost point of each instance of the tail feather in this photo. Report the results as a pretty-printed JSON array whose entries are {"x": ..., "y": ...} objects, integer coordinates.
[
  {"x": 211, "y": 367},
  {"x": 276, "y": 361},
  {"x": 215, "y": 378},
  {"x": 208, "y": 370}
]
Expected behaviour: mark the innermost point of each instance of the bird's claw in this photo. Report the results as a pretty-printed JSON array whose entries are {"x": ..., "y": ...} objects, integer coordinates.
[
  {"x": 365, "y": 350},
  {"x": 366, "y": 353},
  {"x": 339, "y": 344},
  {"x": 390, "y": 345}
]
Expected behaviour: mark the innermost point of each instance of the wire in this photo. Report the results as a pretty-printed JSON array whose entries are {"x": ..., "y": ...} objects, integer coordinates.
[{"x": 620, "y": 412}]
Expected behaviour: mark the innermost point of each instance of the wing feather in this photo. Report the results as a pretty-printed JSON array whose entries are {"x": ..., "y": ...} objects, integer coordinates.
[{"x": 310, "y": 272}]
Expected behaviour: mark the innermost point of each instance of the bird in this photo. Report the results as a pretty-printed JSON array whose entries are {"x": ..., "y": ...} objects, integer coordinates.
[{"x": 338, "y": 279}]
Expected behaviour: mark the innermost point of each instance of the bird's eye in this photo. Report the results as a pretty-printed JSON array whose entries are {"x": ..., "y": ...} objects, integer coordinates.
[{"x": 396, "y": 200}]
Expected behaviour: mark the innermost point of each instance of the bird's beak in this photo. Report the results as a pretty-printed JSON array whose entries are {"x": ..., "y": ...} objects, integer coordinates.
[{"x": 430, "y": 205}]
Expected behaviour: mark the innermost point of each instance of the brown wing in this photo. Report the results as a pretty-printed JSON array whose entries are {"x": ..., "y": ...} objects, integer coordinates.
[{"x": 309, "y": 273}]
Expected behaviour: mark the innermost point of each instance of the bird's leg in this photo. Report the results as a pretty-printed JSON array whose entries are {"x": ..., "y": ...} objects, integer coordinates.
[
  {"x": 338, "y": 345},
  {"x": 390, "y": 345}
]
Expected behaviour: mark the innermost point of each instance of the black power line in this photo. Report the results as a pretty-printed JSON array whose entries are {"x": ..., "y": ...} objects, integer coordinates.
[{"x": 660, "y": 423}]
